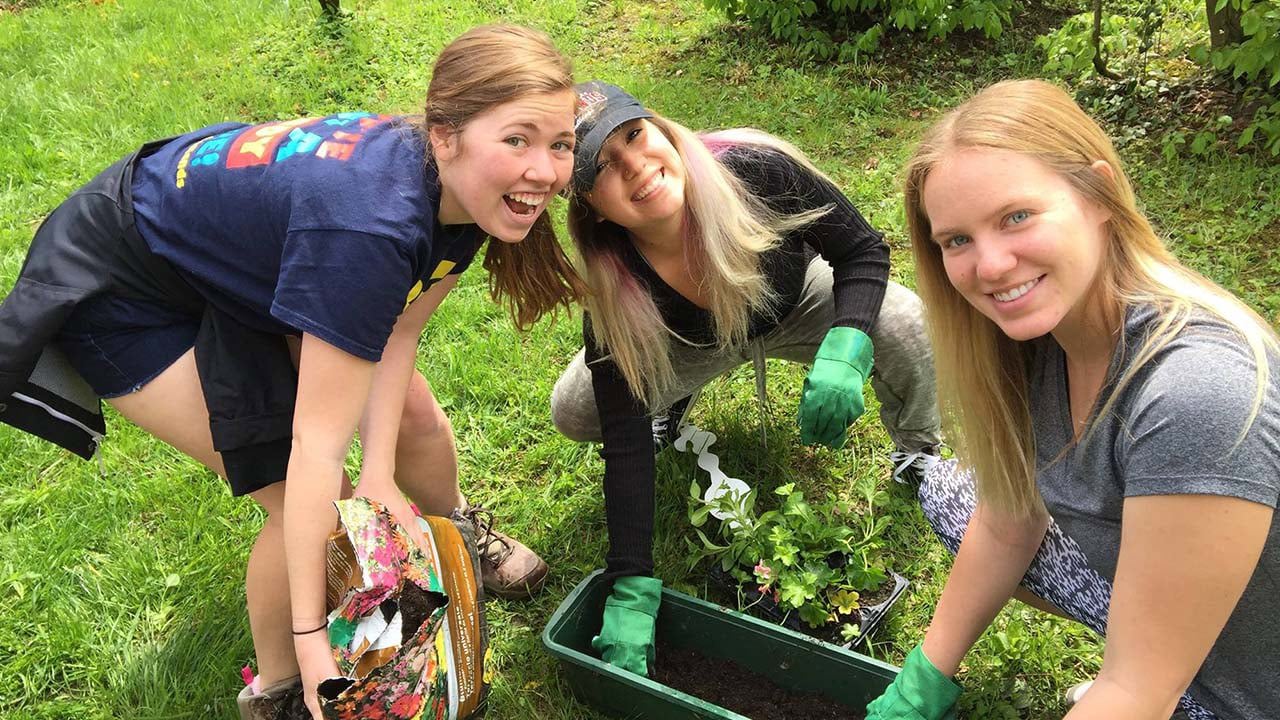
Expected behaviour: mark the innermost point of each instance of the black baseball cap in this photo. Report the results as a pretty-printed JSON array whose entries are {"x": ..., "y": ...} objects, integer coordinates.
[{"x": 602, "y": 107}]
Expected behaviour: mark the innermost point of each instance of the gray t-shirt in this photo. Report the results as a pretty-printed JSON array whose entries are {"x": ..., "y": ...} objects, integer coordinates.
[{"x": 1173, "y": 431}]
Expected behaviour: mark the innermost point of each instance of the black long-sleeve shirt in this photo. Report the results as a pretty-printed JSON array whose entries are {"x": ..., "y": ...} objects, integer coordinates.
[{"x": 860, "y": 263}]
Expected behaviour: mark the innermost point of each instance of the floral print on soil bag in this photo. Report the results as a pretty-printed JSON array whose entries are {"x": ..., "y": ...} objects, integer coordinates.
[{"x": 389, "y": 623}]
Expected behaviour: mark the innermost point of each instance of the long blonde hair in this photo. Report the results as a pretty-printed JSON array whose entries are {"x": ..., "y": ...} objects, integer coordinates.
[
  {"x": 982, "y": 374},
  {"x": 487, "y": 66},
  {"x": 726, "y": 229}
]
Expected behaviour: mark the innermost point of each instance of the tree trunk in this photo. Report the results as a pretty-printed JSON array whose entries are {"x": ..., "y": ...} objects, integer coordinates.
[
  {"x": 1099, "y": 64},
  {"x": 331, "y": 7},
  {"x": 1224, "y": 25}
]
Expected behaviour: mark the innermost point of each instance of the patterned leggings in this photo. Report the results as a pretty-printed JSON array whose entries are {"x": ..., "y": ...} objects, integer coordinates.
[{"x": 1059, "y": 573}]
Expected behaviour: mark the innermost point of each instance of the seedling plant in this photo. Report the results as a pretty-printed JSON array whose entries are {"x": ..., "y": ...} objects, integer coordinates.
[{"x": 819, "y": 560}]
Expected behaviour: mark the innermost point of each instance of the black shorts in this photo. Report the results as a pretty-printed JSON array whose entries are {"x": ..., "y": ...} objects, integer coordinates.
[
  {"x": 119, "y": 344},
  {"x": 121, "y": 340}
]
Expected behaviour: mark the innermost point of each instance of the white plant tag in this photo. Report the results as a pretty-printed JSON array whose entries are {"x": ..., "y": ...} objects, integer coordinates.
[{"x": 698, "y": 441}]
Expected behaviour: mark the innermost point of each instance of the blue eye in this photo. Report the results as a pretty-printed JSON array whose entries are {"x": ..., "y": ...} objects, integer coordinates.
[
  {"x": 515, "y": 141},
  {"x": 955, "y": 241},
  {"x": 1019, "y": 216}
]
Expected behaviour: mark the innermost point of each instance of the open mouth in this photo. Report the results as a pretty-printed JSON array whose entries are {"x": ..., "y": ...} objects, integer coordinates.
[
  {"x": 1017, "y": 292},
  {"x": 524, "y": 203},
  {"x": 654, "y": 183}
]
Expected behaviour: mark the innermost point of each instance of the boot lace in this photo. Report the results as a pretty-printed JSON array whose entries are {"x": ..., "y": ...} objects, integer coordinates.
[{"x": 493, "y": 546}]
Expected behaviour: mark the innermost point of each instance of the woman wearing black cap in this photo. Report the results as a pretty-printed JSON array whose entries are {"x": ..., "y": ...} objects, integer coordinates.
[{"x": 704, "y": 252}]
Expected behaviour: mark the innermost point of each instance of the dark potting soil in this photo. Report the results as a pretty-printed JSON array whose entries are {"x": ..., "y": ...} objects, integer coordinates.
[
  {"x": 735, "y": 688},
  {"x": 416, "y": 605}
]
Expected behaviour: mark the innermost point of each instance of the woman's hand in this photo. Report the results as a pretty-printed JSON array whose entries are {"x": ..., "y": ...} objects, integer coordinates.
[
  {"x": 919, "y": 692},
  {"x": 316, "y": 664},
  {"x": 831, "y": 399},
  {"x": 626, "y": 632},
  {"x": 388, "y": 494}
]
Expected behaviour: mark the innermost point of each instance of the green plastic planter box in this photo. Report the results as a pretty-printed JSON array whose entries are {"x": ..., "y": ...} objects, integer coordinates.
[{"x": 791, "y": 660}]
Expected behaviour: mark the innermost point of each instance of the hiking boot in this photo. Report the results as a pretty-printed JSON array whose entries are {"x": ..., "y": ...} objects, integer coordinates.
[
  {"x": 281, "y": 701},
  {"x": 909, "y": 468},
  {"x": 508, "y": 568},
  {"x": 667, "y": 424}
]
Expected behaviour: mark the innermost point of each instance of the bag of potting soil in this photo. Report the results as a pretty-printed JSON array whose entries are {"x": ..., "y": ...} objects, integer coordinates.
[{"x": 407, "y": 627}]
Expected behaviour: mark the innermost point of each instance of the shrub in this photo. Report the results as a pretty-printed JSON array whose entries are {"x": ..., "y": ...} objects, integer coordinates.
[
  {"x": 1247, "y": 46},
  {"x": 846, "y": 28},
  {"x": 1257, "y": 58}
]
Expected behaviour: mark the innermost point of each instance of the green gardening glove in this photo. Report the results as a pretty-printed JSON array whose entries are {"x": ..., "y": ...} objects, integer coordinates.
[
  {"x": 920, "y": 692},
  {"x": 832, "y": 397},
  {"x": 626, "y": 636}
]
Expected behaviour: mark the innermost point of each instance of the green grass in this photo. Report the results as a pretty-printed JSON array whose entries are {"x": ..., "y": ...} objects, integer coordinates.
[{"x": 123, "y": 584}]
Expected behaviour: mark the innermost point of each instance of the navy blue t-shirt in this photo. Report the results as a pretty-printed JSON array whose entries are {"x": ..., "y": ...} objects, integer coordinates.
[{"x": 318, "y": 225}]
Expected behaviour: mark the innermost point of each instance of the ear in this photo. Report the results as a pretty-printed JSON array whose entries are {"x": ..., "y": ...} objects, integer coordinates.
[
  {"x": 444, "y": 142},
  {"x": 586, "y": 198},
  {"x": 1102, "y": 167},
  {"x": 599, "y": 217}
]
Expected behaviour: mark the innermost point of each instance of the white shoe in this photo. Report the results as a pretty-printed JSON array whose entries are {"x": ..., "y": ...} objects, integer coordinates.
[
  {"x": 1077, "y": 691},
  {"x": 909, "y": 468}
]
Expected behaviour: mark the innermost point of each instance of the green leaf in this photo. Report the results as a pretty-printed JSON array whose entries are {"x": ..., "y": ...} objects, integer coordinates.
[
  {"x": 699, "y": 516},
  {"x": 1200, "y": 144},
  {"x": 1002, "y": 639},
  {"x": 706, "y": 543},
  {"x": 793, "y": 594},
  {"x": 814, "y": 615},
  {"x": 780, "y": 536},
  {"x": 786, "y": 554},
  {"x": 845, "y": 601}
]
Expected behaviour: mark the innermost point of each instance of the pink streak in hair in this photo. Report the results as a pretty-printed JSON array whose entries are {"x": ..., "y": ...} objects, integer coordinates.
[
  {"x": 628, "y": 286},
  {"x": 719, "y": 142}
]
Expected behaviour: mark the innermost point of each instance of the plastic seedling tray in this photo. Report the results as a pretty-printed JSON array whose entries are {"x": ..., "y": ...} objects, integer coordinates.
[
  {"x": 791, "y": 660},
  {"x": 870, "y": 619}
]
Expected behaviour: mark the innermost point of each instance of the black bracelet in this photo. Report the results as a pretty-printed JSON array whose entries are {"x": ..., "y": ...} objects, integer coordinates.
[{"x": 308, "y": 632}]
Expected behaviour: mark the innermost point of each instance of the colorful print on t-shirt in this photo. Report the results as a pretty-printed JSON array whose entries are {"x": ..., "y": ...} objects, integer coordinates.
[
  {"x": 332, "y": 137},
  {"x": 322, "y": 225}
]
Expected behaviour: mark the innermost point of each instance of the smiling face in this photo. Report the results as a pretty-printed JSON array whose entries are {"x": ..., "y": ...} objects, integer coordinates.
[
  {"x": 1018, "y": 242},
  {"x": 503, "y": 167},
  {"x": 640, "y": 180}
]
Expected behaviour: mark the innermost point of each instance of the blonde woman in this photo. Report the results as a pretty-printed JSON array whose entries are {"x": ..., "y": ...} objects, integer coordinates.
[
  {"x": 179, "y": 282},
  {"x": 704, "y": 252},
  {"x": 1116, "y": 416}
]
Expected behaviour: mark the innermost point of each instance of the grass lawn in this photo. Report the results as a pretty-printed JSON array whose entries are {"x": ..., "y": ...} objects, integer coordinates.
[{"x": 122, "y": 580}]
